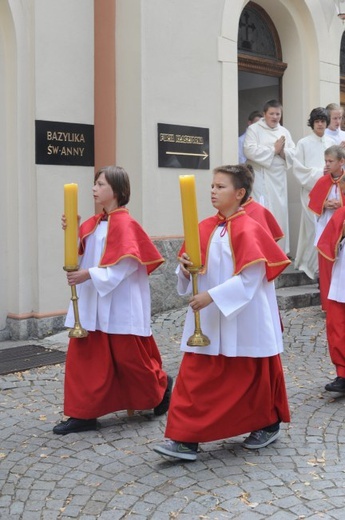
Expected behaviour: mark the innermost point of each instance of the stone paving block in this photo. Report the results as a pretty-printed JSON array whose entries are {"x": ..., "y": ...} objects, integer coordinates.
[
  {"x": 115, "y": 472},
  {"x": 113, "y": 514}
]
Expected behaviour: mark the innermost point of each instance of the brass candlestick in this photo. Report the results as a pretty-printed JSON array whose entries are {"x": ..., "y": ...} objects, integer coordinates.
[
  {"x": 198, "y": 339},
  {"x": 77, "y": 331}
]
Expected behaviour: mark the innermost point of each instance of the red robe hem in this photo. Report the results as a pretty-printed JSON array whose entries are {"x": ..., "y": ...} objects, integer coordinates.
[
  {"x": 107, "y": 373},
  {"x": 216, "y": 397}
]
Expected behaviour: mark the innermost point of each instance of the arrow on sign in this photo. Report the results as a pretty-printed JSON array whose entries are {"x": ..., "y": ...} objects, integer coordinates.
[{"x": 204, "y": 155}]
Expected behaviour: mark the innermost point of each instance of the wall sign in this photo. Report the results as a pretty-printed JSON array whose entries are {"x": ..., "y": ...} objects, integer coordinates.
[
  {"x": 183, "y": 147},
  {"x": 69, "y": 144}
]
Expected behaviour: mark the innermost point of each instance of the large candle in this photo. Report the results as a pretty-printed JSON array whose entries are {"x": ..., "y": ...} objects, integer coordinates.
[
  {"x": 190, "y": 219},
  {"x": 71, "y": 231}
]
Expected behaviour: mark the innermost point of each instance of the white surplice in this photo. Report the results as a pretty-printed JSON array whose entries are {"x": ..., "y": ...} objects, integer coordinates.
[
  {"x": 116, "y": 299},
  {"x": 337, "y": 136},
  {"x": 322, "y": 221},
  {"x": 270, "y": 183},
  {"x": 337, "y": 287},
  {"x": 308, "y": 166},
  {"x": 243, "y": 319}
]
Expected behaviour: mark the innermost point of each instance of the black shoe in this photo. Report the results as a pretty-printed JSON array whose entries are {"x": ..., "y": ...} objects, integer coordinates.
[
  {"x": 163, "y": 406},
  {"x": 338, "y": 385},
  {"x": 75, "y": 425}
]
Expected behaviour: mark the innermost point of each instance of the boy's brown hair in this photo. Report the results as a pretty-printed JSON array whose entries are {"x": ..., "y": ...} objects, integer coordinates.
[
  {"x": 118, "y": 179},
  {"x": 241, "y": 176}
]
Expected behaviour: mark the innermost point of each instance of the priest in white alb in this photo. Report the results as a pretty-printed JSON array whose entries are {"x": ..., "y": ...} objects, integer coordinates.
[
  {"x": 269, "y": 148},
  {"x": 308, "y": 167}
]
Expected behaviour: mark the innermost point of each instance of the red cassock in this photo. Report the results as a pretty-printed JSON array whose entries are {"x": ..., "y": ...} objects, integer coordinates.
[
  {"x": 110, "y": 372},
  {"x": 335, "y": 319},
  {"x": 106, "y": 373},
  {"x": 317, "y": 198},
  {"x": 216, "y": 397}
]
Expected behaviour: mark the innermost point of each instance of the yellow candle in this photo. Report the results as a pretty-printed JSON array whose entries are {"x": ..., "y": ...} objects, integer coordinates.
[
  {"x": 190, "y": 219},
  {"x": 71, "y": 231}
]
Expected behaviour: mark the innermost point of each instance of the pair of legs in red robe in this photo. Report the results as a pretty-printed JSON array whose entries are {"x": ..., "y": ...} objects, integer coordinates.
[
  {"x": 110, "y": 372},
  {"x": 335, "y": 325},
  {"x": 216, "y": 397}
]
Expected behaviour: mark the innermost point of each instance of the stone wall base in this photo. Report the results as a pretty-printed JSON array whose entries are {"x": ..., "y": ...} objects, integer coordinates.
[{"x": 32, "y": 328}]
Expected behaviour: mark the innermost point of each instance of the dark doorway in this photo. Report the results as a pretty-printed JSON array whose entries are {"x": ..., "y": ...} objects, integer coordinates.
[{"x": 260, "y": 65}]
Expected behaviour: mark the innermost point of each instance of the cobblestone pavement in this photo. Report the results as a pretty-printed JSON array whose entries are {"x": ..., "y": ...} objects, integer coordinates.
[{"x": 112, "y": 473}]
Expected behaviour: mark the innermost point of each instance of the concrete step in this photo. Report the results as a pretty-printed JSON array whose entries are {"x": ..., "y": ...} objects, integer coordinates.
[
  {"x": 295, "y": 289},
  {"x": 292, "y": 277},
  {"x": 298, "y": 296}
]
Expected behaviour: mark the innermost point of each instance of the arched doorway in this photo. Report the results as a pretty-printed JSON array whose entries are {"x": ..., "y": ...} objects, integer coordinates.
[{"x": 260, "y": 65}]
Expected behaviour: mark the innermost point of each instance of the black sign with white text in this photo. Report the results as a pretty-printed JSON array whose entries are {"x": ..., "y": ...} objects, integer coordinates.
[
  {"x": 183, "y": 147},
  {"x": 70, "y": 144}
]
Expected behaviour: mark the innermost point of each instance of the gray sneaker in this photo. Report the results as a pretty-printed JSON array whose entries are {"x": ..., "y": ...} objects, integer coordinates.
[
  {"x": 260, "y": 439},
  {"x": 178, "y": 450}
]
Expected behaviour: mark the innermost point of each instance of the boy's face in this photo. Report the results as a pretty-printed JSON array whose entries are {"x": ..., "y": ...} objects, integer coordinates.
[
  {"x": 319, "y": 127},
  {"x": 273, "y": 116},
  {"x": 333, "y": 165},
  {"x": 103, "y": 192},
  {"x": 336, "y": 117},
  {"x": 224, "y": 196}
]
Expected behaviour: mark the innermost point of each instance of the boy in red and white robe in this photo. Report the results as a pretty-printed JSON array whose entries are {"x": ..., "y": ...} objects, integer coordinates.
[
  {"x": 331, "y": 245},
  {"x": 324, "y": 199},
  {"x": 236, "y": 384},
  {"x": 118, "y": 365}
]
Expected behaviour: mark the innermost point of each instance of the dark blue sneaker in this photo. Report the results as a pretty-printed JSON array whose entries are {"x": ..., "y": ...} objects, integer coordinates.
[{"x": 260, "y": 439}]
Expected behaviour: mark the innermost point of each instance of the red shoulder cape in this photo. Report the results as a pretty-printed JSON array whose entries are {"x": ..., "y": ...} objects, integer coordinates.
[
  {"x": 125, "y": 238},
  {"x": 318, "y": 195},
  {"x": 264, "y": 217},
  {"x": 249, "y": 243},
  {"x": 332, "y": 235}
]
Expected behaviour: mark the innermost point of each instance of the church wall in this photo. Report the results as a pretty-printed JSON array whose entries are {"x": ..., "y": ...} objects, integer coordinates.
[
  {"x": 180, "y": 84},
  {"x": 176, "y": 62},
  {"x": 17, "y": 169},
  {"x": 64, "y": 92},
  {"x": 48, "y": 75},
  {"x": 129, "y": 98}
]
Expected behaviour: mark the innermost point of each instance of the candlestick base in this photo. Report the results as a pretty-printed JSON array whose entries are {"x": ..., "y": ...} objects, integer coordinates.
[
  {"x": 77, "y": 331},
  {"x": 198, "y": 339}
]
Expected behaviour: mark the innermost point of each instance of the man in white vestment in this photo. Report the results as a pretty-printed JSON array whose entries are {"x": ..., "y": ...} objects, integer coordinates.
[
  {"x": 308, "y": 167},
  {"x": 334, "y": 130},
  {"x": 269, "y": 148}
]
